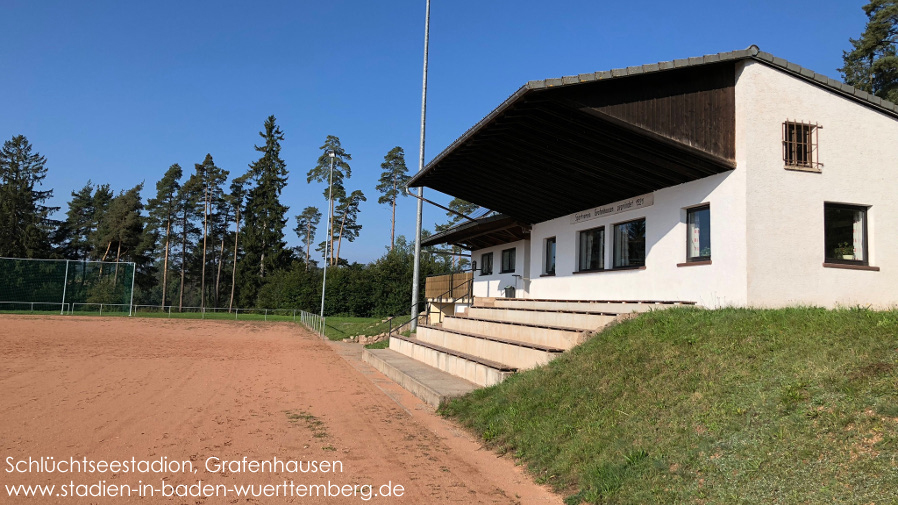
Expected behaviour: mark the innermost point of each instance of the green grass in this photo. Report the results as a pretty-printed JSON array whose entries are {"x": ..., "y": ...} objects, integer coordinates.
[
  {"x": 730, "y": 406},
  {"x": 383, "y": 344},
  {"x": 338, "y": 328}
]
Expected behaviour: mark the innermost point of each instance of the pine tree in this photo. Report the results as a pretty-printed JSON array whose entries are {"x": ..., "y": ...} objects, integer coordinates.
[
  {"x": 188, "y": 198},
  {"x": 235, "y": 200},
  {"x": 322, "y": 173},
  {"x": 306, "y": 225},
  {"x": 25, "y": 222},
  {"x": 209, "y": 180},
  {"x": 872, "y": 63},
  {"x": 347, "y": 214},
  {"x": 392, "y": 180},
  {"x": 80, "y": 222},
  {"x": 264, "y": 246},
  {"x": 163, "y": 211},
  {"x": 122, "y": 226}
]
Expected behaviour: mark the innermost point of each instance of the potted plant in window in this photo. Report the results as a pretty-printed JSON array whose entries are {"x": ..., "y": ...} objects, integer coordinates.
[
  {"x": 845, "y": 251},
  {"x": 509, "y": 291}
]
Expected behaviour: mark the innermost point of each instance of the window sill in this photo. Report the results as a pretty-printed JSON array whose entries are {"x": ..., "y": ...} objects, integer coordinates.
[
  {"x": 694, "y": 263},
  {"x": 506, "y": 271},
  {"x": 484, "y": 274},
  {"x": 851, "y": 267},
  {"x": 799, "y": 168},
  {"x": 547, "y": 275}
]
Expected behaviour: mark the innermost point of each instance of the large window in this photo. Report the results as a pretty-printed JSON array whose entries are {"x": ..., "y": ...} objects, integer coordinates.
[
  {"x": 486, "y": 264},
  {"x": 629, "y": 244},
  {"x": 508, "y": 261},
  {"x": 698, "y": 234},
  {"x": 592, "y": 249},
  {"x": 845, "y": 233},
  {"x": 550, "y": 256}
]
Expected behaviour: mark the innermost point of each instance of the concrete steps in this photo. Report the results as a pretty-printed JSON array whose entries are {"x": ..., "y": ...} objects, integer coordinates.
[
  {"x": 543, "y": 335},
  {"x": 610, "y": 306},
  {"x": 586, "y": 320},
  {"x": 433, "y": 386},
  {"x": 496, "y": 338},
  {"x": 520, "y": 355},
  {"x": 480, "y": 371}
]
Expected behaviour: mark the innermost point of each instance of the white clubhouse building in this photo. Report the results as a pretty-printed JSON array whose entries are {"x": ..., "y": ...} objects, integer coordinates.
[{"x": 734, "y": 179}]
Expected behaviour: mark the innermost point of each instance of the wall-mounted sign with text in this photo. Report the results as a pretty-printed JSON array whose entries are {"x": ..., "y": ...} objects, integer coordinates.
[{"x": 637, "y": 202}]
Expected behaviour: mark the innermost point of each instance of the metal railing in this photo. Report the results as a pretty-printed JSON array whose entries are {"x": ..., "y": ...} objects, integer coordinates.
[
  {"x": 469, "y": 281},
  {"x": 51, "y": 306},
  {"x": 311, "y": 321}
]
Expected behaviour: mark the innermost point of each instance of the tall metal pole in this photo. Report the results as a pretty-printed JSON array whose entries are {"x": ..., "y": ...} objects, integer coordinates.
[
  {"x": 330, "y": 196},
  {"x": 417, "y": 273}
]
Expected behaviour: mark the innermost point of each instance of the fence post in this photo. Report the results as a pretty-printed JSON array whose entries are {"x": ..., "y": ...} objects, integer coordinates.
[
  {"x": 236, "y": 310},
  {"x": 266, "y": 314},
  {"x": 64, "y": 283},
  {"x": 101, "y": 309},
  {"x": 133, "y": 274}
]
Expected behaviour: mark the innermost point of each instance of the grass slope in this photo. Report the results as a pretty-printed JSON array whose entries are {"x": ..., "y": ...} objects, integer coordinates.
[{"x": 694, "y": 406}]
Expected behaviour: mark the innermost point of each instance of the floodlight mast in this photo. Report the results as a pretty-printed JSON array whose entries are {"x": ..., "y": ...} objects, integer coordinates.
[
  {"x": 413, "y": 324},
  {"x": 330, "y": 195}
]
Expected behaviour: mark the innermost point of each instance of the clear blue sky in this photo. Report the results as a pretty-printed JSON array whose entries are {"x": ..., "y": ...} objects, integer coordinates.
[{"x": 117, "y": 91}]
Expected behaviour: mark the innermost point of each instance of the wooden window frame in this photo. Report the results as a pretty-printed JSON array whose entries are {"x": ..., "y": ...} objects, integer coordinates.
[
  {"x": 579, "y": 252},
  {"x": 800, "y": 146},
  {"x": 549, "y": 240},
  {"x": 840, "y": 261},
  {"x": 614, "y": 264},
  {"x": 513, "y": 252},
  {"x": 700, "y": 258}
]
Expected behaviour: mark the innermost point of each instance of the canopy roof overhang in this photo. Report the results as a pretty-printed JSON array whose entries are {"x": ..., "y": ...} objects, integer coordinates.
[
  {"x": 487, "y": 231},
  {"x": 542, "y": 158},
  {"x": 560, "y": 146}
]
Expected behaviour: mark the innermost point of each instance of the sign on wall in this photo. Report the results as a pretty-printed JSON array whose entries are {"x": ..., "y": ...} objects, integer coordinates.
[{"x": 637, "y": 202}]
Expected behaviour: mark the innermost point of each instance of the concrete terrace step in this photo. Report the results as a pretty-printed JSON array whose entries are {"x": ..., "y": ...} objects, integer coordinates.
[
  {"x": 480, "y": 371},
  {"x": 545, "y": 335},
  {"x": 520, "y": 355},
  {"x": 431, "y": 385},
  {"x": 584, "y": 320},
  {"x": 612, "y": 306}
]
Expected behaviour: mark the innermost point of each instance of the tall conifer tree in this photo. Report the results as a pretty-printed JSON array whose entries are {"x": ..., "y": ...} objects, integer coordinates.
[
  {"x": 25, "y": 223},
  {"x": 872, "y": 63},
  {"x": 265, "y": 215},
  {"x": 163, "y": 211},
  {"x": 392, "y": 180}
]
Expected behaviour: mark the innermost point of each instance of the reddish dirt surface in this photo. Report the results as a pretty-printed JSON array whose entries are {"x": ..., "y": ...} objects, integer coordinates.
[{"x": 119, "y": 388}]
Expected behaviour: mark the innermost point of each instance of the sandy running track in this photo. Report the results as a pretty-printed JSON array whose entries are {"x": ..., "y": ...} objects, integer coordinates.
[{"x": 146, "y": 389}]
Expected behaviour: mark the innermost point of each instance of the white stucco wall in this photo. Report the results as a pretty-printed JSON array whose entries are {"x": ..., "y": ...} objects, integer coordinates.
[
  {"x": 494, "y": 284},
  {"x": 858, "y": 147},
  {"x": 718, "y": 284}
]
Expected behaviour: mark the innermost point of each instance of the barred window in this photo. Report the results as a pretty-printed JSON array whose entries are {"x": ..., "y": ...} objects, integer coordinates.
[{"x": 800, "y": 145}]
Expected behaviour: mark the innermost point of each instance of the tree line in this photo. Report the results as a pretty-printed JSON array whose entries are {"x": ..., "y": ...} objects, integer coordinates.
[{"x": 206, "y": 239}]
